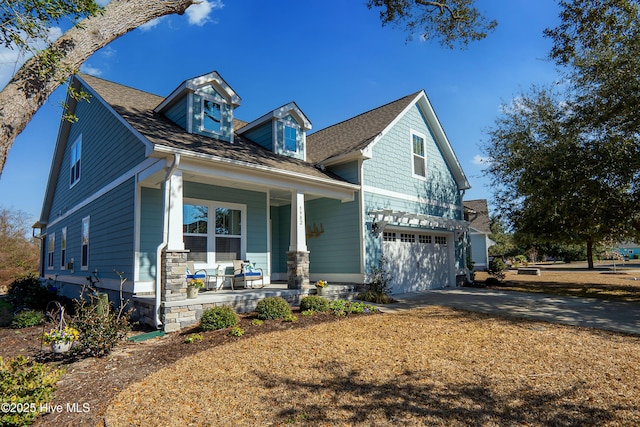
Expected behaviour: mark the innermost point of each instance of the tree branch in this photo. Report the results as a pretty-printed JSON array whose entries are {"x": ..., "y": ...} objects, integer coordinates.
[{"x": 41, "y": 75}]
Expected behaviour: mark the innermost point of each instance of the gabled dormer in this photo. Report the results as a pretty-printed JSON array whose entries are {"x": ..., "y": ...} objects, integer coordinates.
[
  {"x": 203, "y": 105},
  {"x": 283, "y": 131}
]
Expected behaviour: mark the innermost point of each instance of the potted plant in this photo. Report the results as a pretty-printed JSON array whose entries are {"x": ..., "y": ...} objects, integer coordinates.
[
  {"x": 321, "y": 286},
  {"x": 61, "y": 339},
  {"x": 193, "y": 287}
]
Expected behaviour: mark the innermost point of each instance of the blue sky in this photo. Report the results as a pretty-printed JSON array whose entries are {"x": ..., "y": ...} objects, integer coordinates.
[{"x": 333, "y": 58}]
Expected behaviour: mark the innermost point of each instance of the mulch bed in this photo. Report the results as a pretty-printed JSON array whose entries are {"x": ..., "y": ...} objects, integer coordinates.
[{"x": 95, "y": 381}]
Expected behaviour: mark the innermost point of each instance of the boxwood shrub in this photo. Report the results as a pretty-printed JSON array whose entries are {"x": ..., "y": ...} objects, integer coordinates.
[
  {"x": 218, "y": 318},
  {"x": 273, "y": 308},
  {"x": 314, "y": 303}
]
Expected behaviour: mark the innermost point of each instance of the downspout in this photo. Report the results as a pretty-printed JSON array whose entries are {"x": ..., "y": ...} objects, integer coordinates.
[
  {"x": 467, "y": 273},
  {"x": 165, "y": 236}
]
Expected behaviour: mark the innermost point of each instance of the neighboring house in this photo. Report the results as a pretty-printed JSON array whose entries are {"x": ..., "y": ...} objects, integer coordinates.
[
  {"x": 629, "y": 250},
  {"x": 143, "y": 184},
  {"x": 477, "y": 213}
]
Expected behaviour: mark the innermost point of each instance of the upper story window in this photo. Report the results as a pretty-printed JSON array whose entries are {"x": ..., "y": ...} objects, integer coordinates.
[
  {"x": 211, "y": 116},
  {"x": 290, "y": 138},
  {"x": 74, "y": 163},
  {"x": 418, "y": 154}
]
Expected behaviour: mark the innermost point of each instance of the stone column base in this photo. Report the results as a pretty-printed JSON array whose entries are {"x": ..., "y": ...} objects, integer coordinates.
[{"x": 298, "y": 270}]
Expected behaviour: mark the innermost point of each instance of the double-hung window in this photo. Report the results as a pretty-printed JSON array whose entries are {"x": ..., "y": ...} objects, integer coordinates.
[
  {"x": 290, "y": 138},
  {"x": 222, "y": 243},
  {"x": 51, "y": 247},
  {"x": 418, "y": 155},
  {"x": 84, "y": 254},
  {"x": 211, "y": 116},
  {"x": 195, "y": 228},
  {"x": 74, "y": 162}
]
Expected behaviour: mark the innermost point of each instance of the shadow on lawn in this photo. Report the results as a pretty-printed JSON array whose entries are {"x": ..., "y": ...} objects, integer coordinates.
[
  {"x": 410, "y": 400},
  {"x": 605, "y": 292}
]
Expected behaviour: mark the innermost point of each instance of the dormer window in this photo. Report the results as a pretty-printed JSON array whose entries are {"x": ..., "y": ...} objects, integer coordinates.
[
  {"x": 202, "y": 105},
  {"x": 211, "y": 116},
  {"x": 290, "y": 138}
]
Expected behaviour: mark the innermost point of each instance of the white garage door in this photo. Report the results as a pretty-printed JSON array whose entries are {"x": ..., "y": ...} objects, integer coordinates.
[{"x": 417, "y": 261}]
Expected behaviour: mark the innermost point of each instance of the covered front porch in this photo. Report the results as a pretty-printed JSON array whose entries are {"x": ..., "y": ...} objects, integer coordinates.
[{"x": 212, "y": 214}]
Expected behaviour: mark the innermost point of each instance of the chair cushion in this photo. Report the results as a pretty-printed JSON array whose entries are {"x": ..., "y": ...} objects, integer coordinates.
[
  {"x": 248, "y": 274},
  {"x": 196, "y": 276}
]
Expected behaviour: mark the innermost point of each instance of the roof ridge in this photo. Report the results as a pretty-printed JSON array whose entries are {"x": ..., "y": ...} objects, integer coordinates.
[{"x": 412, "y": 95}]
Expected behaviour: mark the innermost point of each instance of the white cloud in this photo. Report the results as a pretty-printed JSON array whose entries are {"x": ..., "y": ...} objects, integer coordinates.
[
  {"x": 12, "y": 59},
  {"x": 199, "y": 13},
  {"x": 151, "y": 24},
  {"x": 480, "y": 160},
  {"x": 88, "y": 69}
]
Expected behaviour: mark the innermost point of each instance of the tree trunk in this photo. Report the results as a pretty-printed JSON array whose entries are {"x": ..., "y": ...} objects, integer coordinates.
[
  {"x": 29, "y": 88},
  {"x": 590, "y": 254}
]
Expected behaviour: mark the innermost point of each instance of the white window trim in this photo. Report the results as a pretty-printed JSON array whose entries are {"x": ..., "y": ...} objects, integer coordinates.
[
  {"x": 212, "y": 205},
  {"x": 78, "y": 141},
  {"x": 295, "y": 126},
  {"x": 88, "y": 219},
  {"x": 218, "y": 100},
  {"x": 424, "y": 139},
  {"x": 63, "y": 250}
]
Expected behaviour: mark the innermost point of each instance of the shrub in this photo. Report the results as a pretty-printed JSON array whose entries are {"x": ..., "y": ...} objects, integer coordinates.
[
  {"x": 273, "y": 308},
  {"x": 29, "y": 292},
  {"x": 257, "y": 322},
  {"x": 25, "y": 386},
  {"x": 191, "y": 338},
  {"x": 314, "y": 303},
  {"x": 496, "y": 268},
  {"x": 342, "y": 307},
  {"x": 291, "y": 318},
  {"x": 377, "y": 298},
  {"x": 100, "y": 330},
  {"x": 27, "y": 319},
  {"x": 236, "y": 331},
  {"x": 218, "y": 318}
]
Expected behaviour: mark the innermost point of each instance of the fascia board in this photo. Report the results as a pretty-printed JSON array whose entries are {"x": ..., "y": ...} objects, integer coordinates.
[
  {"x": 264, "y": 175},
  {"x": 58, "y": 154},
  {"x": 347, "y": 157},
  {"x": 278, "y": 113},
  {"x": 196, "y": 83}
]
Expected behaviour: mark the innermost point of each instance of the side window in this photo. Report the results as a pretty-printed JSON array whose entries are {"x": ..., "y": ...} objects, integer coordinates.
[
  {"x": 84, "y": 256},
  {"x": 419, "y": 161},
  {"x": 75, "y": 162},
  {"x": 211, "y": 116},
  {"x": 51, "y": 247},
  {"x": 63, "y": 249}
]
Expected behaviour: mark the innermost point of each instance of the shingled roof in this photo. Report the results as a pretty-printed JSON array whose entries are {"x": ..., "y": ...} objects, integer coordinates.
[
  {"x": 137, "y": 108},
  {"x": 480, "y": 218},
  {"x": 356, "y": 133}
]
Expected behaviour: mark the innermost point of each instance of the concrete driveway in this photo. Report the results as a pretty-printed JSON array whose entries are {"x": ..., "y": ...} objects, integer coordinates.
[{"x": 575, "y": 311}]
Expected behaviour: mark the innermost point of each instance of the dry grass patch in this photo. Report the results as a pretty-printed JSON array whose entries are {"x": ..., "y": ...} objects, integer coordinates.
[
  {"x": 623, "y": 286},
  {"x": 433, "y": 366}
]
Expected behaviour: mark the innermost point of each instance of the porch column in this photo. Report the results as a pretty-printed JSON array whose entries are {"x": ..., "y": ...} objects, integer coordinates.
[
  {"x": 298, "y": 256},
  {"x": 175, "y": 241}
]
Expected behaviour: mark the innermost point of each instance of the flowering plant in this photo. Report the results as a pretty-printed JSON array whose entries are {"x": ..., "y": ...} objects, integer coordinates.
[
  {"x": 321, "y": 284},
  {"x": 67, "y": 334},
  {"x": 196, "y": 283}
]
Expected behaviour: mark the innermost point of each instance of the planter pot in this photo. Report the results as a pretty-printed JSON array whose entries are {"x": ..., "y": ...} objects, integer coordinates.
[
  {"x": 192, "y": 292},
  {"x": 60, "y": 347},
  {"x": 321, "y": 291}
]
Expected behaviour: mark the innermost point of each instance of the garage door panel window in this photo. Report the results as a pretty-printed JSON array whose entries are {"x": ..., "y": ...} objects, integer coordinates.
[
  {"x": 441, "y": 240},
  {"x": 425, "y": 239},
  {"x": 389, "y": 237},
  {"x": 407, "y": 238}
]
